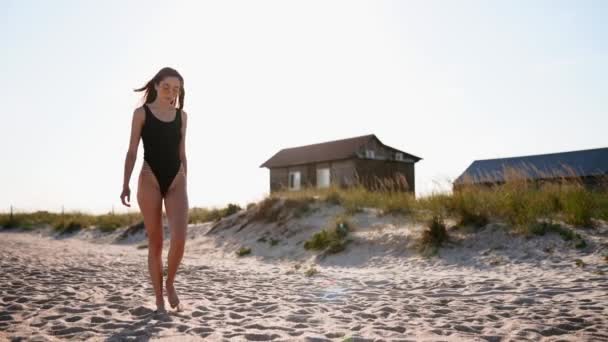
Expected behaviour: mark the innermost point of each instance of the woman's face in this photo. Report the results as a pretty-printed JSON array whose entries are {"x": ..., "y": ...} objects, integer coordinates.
[{"x": 168, "y": 89}]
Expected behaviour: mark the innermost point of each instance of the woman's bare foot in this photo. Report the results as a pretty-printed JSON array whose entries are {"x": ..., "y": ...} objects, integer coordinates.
[
  {"x": 172, "y": 296},
  {"x": 160, "y": 306}
]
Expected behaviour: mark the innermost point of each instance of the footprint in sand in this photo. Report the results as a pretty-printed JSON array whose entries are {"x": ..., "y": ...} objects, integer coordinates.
[
  {"x": 73, "y": 319},
  {"x": 118, "y": 307},
  {"x": 235, "y": 315},
  {"x": 115, "y": 299},
  {"x": 7, "y": 299},
  {"x": 335, "y": 335},
  {"x": 53, "y": 317},
  {"x": 141, "y": 311},
  {"x": 270, "y": 308},
  {"x": 442, "y": 311},
  {"x": 366, "y": 315},
  {"x": 198, "y": 314},
  {"x": 69, "y": 331},
  {"x": 114, "y": 326},
  {"x": 260, "y": 337},
  {"x": 14, "y": 308},
  {"x": 4, "y": 317},
  {"x": 38, "y": 323},
  {"x": 398, "y": 329},
  {"x": 296, "y": 318},
  {"x": 201, "y": 330},
  {"x": 72, "y": 310},
  {"x": 97, "y": 320}
]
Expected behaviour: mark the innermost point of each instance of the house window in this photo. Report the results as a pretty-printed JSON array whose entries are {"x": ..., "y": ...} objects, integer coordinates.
[
  {"x": 369, "y": 154},
  {"x": 398, "y": 156},
  {"x": 323, "y": 180},
  {"x": 294, "y": 180}
]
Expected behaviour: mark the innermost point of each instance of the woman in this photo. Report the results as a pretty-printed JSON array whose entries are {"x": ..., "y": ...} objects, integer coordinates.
[{"x": 162, "y": 127}]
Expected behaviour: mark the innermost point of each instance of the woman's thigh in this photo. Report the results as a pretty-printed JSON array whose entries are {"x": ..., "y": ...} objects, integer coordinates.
[
  {"x": 176, "y": 205},
  {"x": 150, "y": 203}
]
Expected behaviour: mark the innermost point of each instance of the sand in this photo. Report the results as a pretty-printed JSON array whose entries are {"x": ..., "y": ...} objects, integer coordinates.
[{"x": 484, "y": 286}]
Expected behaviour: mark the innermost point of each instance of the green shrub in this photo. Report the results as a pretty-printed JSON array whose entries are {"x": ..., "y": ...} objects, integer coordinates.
[
  {"x": 331, "y": 240},
  {"x": 243, "y": 251},
  {"x": 435, "y": 235}
]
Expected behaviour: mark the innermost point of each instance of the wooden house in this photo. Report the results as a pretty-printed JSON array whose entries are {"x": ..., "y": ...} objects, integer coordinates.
[{"x": 363, "y": 160}]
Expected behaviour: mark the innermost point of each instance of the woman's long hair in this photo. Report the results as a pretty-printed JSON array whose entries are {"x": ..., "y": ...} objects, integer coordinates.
[{"x": 150, "y": 91}]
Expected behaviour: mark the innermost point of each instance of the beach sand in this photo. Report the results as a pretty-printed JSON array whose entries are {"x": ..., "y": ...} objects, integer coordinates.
[{"x": 484, "y": 286}]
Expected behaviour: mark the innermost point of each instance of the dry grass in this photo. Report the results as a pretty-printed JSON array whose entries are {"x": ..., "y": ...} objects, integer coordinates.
[
  {"x": 331, "y": 240},
  {"x": 355, "y": 198},
  {"x": 243, "y": 251},
  {"x": 522, "y": 204},
  {"x": 198, "y": 215},
  {"x": 433, "y": 237},
  {"x": 557, "y": 194},
  {"x": 68, "y": 221}
]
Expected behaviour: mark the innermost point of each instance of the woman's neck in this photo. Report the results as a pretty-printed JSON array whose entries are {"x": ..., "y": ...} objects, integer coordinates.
[{"x": 161, "y": 105}]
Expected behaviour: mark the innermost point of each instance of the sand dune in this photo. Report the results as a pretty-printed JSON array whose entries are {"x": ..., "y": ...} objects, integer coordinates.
[{"x": 487, "y": 286}]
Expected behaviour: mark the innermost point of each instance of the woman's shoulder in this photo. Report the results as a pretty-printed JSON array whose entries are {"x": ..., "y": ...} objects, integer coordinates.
[
  {"x": 139, "y": 114},
  {"x": 140, "y": 111}
]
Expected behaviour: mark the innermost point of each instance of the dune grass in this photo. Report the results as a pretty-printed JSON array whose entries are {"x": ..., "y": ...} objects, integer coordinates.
[
  {"x": 520, "y": 204},
  {"x": 332, "y": 239},
  {"x": 433, "y": 237},
  {"x": 68, "y": 221},
  {"x": 198, "y": 215},
  {"x": 524, "y": 206},
  {"x": 75, "y": 220},
  {"x": 354, "y": 199},
  {"x": 243, "y": 251}
]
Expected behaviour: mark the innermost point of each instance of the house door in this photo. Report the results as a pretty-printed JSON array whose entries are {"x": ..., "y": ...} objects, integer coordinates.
[
  {"x": 294, "y": 180},
  {"x": 323, "y": 178}
]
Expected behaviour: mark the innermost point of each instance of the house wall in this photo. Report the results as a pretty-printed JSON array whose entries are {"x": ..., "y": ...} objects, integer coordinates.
[
  {"x": 381, "y": 152},
  {"x": 397, "y": 175},
  {"x": 342, "y": 173},
  {"x": 279, "y": 178}
]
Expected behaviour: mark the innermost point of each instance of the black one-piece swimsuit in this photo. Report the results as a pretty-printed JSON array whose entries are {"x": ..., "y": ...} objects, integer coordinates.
[{"x": 161, "y": 147}]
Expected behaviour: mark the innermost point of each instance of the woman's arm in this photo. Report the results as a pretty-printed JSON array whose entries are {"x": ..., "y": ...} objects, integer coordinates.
[
  {"x": 182, "y": 145},
  {"x": 136, "y": 126}
]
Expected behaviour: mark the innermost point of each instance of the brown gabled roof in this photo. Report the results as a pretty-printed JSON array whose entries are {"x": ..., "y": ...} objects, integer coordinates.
[{"x": 326, "y": 151}]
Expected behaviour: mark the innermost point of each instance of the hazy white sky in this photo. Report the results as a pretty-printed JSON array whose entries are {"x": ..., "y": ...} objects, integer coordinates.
[{"x": 450, "y": 82}]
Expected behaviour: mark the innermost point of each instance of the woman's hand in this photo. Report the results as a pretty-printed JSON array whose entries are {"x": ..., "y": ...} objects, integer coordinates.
[{"x": 126, "y": 192}]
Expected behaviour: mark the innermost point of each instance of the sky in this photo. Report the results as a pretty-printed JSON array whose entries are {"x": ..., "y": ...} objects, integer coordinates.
[{"x": 450, "y": 82}]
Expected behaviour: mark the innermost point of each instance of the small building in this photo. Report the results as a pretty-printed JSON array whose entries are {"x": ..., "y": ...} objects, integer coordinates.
[
  {"x": 590, "y": 167},
  {"x": 363, "y": 160}
]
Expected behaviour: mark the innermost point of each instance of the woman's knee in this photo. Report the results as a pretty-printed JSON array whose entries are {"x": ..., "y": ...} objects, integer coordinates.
[
  {"x": 155, "y": 247},
  {"x": 178, "y": 239},
  {"x": 155, "y": 238}
]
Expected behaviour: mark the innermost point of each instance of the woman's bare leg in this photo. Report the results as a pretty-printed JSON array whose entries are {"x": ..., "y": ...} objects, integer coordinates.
[
  {"x": 176, "y": 206},
  {"x": 150, "y": 204}
]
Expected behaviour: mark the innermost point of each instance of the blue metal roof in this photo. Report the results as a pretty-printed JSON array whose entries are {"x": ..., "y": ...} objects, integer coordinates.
[{"x": 582, "y": 163}]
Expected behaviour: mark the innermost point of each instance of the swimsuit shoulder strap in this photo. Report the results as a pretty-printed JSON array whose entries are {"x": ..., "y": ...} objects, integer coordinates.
[{"x": 146, "y": 110}]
